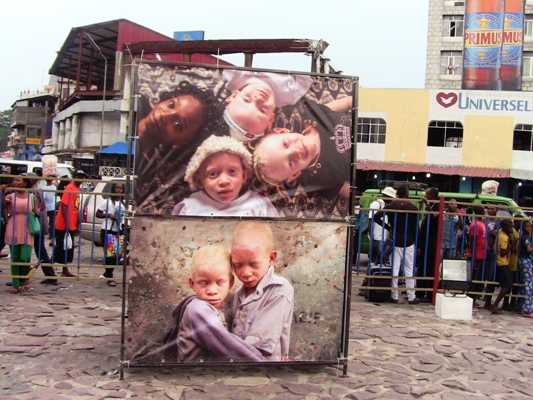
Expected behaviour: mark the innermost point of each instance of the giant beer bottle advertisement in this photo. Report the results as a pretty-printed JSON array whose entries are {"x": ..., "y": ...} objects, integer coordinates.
[
  {"x": 492, "y": 54},
  {"x": 239, "y": 237}
]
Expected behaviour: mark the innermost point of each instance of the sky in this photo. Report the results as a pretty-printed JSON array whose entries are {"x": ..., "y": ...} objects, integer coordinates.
[{"x": 383, "y": 42}]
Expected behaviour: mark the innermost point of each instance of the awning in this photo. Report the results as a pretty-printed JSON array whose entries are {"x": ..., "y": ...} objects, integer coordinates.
[
  {"x": 462, "y": 170},
  {"x": 117, "y": 148}
]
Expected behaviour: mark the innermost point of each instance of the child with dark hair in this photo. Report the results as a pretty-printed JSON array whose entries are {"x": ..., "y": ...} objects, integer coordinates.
[{"x": 168, "y": 136}]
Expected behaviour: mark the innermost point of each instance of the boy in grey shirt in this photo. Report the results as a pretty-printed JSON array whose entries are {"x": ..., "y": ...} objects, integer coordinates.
[{"x": 263, "y": 306}]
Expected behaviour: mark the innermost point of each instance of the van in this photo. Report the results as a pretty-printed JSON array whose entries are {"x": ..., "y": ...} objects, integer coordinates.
[
  {"x": 465, "y": 200},
  {"x": 506, "y": 206},
  {"x": 17, "y": 167}
]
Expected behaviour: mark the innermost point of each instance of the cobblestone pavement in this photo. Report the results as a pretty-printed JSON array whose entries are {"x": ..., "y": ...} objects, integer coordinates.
[{"x": 62, "y": 342}]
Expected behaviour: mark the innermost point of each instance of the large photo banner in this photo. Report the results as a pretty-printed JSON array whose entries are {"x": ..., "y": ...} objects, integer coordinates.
[
  {"x": 243, "y": 143},
  {"x": 220, "y": 291}
]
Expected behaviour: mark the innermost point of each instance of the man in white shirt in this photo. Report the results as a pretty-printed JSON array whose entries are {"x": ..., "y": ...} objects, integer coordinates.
[{"x": 376, "y": 233}]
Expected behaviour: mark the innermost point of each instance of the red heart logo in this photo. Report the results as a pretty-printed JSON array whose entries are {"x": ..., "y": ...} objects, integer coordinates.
[{"x": 446, "y": 99}]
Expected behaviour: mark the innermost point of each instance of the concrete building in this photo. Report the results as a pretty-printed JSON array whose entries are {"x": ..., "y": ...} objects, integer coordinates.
[
  {"x": 443, "y": 135},
  {"x": 31, "y": 123},
  {"x": 93, "y": 111}
]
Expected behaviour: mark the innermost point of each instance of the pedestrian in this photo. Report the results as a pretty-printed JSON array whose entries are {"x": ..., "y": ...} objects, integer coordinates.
[
  {"x": 18, "y": 205},
  {"x": 427, "y": 245},
  {"x": 67, "y": 223},
  {"x": 402, "y": 224},
  {"x": 376, "y": 234},
  {"x": 526, "y": 269},
  {"x": 50, "y": 199},
  {"x": 452, "y": 226},
  {"x": 504, "y": 244},
  {"x": 112, "y": 210},
  {"x": 39, "y": 239}
]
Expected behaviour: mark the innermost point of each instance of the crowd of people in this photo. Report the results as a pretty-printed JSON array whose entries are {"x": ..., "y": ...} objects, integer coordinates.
[
  {"x": 55, "y": 202},
  {"x": 497, "y": 249}
]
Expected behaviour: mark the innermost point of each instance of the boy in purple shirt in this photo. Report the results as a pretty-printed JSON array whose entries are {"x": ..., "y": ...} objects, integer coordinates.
[
  {"x": 263, "y": 306},
  {"x": 200, "y": 332}
]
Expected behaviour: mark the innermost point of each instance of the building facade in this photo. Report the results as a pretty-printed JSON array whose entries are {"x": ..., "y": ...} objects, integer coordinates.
[{"x": 446, "y": 136}]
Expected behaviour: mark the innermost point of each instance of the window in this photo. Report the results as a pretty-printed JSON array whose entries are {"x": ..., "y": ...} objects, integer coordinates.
[
  {"x": 371, "y": 130},
  {"x": 527, "y": 64},
  {"x": 445, "y": 134},
  {"x": 452, "y": 25},
  {"x": 522, "y": 137},
  {"x": 451, "y": 62},
  {"x": 528, "y": 26}
]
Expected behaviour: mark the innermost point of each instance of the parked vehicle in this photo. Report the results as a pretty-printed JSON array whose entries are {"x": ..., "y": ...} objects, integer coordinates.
[
  {"x": 90, "y": 226},
  {"x": 17, "y": 167}
]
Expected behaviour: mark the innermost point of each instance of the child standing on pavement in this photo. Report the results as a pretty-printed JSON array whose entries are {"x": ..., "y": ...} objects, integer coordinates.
[
  {"x": 263, "y": 305},
  {"x": 200, "y": 331}
]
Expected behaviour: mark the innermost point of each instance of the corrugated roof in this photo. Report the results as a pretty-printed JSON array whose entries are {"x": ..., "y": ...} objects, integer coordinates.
[{"x": 462, "y": 170}]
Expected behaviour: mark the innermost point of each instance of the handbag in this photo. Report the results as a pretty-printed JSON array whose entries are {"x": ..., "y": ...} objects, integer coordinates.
[
  {"x": 114, "y": 245},
  {"x": 34, "y": 225}
]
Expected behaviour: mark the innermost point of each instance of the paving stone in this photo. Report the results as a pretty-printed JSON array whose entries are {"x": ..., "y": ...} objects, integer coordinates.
[
  {"x": 302, "y": 389},
  {"x": 63, "y": 385},
  {"x": 418, "y": 391},
  {"x": 457, "y": 385},
  {"x": 427, "y": 368},
  {"x": 41, "y": 330},
  {"x": 248, "y": 381},
  {"x": 88, "y": 331}
]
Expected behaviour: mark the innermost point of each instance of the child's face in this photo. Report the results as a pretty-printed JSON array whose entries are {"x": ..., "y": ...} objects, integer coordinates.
[
  {"x": 250, "y": 262},
  {"x": 527, "y": 228},
  {"x": 252, "y": 107},
  {"x": 222, "y": 175},
  {"x": 173, "y": 122},
  {"x": 286, "y": 155},
  {"x": 211, "y": 283}
]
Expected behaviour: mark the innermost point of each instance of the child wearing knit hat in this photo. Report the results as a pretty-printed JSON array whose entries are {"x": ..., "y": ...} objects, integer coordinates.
[{"x": 217, "y": 173}]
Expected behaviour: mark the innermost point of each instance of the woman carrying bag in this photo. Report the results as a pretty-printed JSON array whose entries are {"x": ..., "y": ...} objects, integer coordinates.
[
  {"x": 112, "y": 210},
  {"x": 18, "y": 205}
]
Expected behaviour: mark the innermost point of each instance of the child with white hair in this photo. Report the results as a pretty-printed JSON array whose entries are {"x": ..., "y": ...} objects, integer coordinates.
[
  {"x": 217, "y": 173},
  {"x": 254, "y": 95}
]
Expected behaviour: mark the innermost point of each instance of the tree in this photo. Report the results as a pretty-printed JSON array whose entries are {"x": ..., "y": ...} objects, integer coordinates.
[{"x": 5, "y": 119}]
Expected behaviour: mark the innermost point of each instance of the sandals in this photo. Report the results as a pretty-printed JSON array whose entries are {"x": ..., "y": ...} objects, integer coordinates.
[
  {"x": 111, "y": 283},
  {"x": 15, "y": 290},
  {"x": 27, "y": 287}
]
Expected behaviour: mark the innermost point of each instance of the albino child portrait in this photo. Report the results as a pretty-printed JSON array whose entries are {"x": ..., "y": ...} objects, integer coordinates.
[
  {"x": 254, "y": 95},
  {"x": 217, "y": 174},
  {"x": 319, "y": 156}
]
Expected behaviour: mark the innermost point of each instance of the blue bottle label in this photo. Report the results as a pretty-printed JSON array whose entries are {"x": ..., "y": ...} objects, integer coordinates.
[
  {"x": 513, "y": 26},
  {"x": 483, "y": 40}
]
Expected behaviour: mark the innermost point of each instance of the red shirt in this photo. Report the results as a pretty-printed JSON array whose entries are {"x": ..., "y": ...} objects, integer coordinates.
[
  {"x": 70, "y": 198},
  {"x": 477, "y": 234}
]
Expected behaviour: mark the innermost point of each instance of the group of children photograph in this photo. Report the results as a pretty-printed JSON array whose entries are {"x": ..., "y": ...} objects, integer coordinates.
[{"x": 233, "y": 142}]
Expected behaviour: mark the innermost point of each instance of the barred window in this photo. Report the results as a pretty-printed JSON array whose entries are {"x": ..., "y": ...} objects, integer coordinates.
[{"x": 371, "y": 130}]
